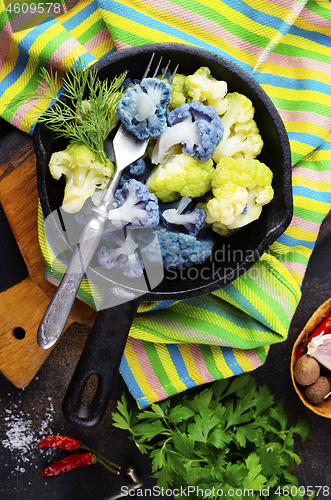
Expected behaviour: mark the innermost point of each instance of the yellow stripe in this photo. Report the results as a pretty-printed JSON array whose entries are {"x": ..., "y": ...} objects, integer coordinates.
[
  {"x": 274, "y": 263},
  {"x": 308, "y": 127},
  {"x": 144, "y": 322},
  {"x": 311, "y": 184},
  {"x": 264, "y": 309},
  {"x": 169, "y": 367},
  {"x": 154, "y": 36},
  {"x": 138, "y": 332},
  {"x": 298, "y": 278},
  {"x": 292, "y": 72},
  {"x": 242, "y": 360},
  {"x": 190, "y": 364},
  {"x": 85, "y": 25},
  {"x": 241, "y": 20},
  {"x": 285, "y": 251},
  {"x": 272, "y": 9},
  {"x": 317, "y": 206},
  {"x": 299, "y": 148},
  {"x": 307, "y": 44},
  {"x": 138, "y": 372},
  {"x": 301, "y": 234},
  {"x": 103, "y": 49},
  {"x": 220, "y": 362},
  {"x": 320, "y": 155},
  {"x": 10, "y": 61},
  {"x": 297, "y": 95}
]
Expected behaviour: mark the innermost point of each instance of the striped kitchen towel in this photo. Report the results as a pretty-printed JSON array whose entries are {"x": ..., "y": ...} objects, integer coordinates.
[{"x": 285, "y": 45}]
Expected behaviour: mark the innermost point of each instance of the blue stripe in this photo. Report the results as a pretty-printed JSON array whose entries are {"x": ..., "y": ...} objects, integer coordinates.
[
  {"x": 80, "y": 17},
  {"x": 290, "y": 242},
  {"x": 32, "y": 36},
  {"x": 180, "y": 366},
  {"x": 292, "y": 83},
  {"x": 131, "y": 382},
  {"x": 305, "y": 192},
  {"x": 231, "y": 361},
  {"x": 13, "y": 76},
  {"x": 129, "y": 13},
  {"x": 278, "y": 24},
  {"x": 260, "y": 17},
  {"x": 318, "y": 38},
  {"x": 254, "y": 319},
  {"x": 229, "y": 312}
]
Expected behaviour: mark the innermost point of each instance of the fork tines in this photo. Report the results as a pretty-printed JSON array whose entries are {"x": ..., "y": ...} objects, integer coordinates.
[{"x": 164, "y": 71}]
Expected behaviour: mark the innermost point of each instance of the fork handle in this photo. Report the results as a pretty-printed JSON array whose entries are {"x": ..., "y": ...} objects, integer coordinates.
[{"x": 58, "y": 310}]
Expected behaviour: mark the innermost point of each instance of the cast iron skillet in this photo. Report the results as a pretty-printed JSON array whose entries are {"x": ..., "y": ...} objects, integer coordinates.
[{"x": 103, "y": 350}]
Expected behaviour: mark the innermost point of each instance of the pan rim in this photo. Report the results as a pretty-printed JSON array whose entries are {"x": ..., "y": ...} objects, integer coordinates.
[{"x": 272, "y": 235}]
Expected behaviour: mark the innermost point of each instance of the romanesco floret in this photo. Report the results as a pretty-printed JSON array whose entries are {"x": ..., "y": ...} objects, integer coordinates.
[
  {"x": 203, "y": 87},
  {"x": 83, "y": 173},
  {"x": 134, "y": 204},
  {"x": 180, "y": 175},
  {"x": 183, "y": 250},
  {"x": 121, "y": 252},
  {"x": 241, "y": 138},
  {"x": 143, "y": 107},
  {"x": 240, "y": 188},
  {"x": 197, "y": 127}
]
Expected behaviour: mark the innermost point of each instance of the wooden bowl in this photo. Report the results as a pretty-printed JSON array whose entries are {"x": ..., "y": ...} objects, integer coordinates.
[{"x": 323, "y": 409}]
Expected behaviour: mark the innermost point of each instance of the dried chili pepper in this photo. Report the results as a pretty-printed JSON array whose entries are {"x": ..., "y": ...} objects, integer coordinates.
[
  {"x": 72, "y": 462},
  {"x": 62, "y": 442},
  {"x": 69, "y": 444},
  {"x": 323, "y": 328}
]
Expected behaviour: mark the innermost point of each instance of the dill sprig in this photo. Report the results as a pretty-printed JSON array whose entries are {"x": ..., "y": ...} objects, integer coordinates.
[{"x": 72, "y": 115}]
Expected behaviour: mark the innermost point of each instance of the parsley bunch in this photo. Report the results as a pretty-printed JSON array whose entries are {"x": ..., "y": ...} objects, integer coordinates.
[{"x": 229, "y": 436}]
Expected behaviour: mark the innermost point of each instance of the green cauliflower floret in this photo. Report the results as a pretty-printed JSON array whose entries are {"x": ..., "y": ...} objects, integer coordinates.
[
  {"x": 203, "y": 87},
  {"x": 83, "y": 173},
  {"x": 180, "y": 175},
  {"x": 241, "y": 137},
  {"x": 240, "y": 188},
  {"x": 179, "y": 95}
]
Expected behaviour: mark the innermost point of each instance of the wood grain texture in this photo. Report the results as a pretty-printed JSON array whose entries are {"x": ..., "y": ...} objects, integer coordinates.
[{"x": 23, "y": 305}]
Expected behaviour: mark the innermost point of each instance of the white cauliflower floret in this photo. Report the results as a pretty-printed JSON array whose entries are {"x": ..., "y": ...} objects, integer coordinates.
[
  {"x": 241, "y": 138},
  {"x": 240, "y": 188},
  {"x": 83, "y": 173},
  {"x": 203, "y": 87}
]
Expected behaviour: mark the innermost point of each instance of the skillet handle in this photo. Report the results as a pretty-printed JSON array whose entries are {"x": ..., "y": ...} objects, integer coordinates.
[{"x": 101, "y": 356}]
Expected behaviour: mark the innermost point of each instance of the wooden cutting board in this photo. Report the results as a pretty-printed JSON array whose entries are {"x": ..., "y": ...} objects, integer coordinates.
[{"x": 23, "y": 305}]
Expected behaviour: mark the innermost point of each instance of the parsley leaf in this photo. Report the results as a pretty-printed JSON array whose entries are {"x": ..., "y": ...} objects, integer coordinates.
[{"x": 228, "y": 435}]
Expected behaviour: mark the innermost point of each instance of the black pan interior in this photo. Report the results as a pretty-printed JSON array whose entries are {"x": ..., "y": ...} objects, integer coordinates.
[{"x": 233, "y": 255}]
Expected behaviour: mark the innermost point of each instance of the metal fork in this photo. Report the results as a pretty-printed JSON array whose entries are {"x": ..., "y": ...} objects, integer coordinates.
[{"x": 127, "y": 148}]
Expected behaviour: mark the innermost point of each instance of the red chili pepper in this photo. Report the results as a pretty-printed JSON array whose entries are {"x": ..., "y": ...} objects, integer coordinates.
[
  {"x": 62, "y": 442},
  {"x": 323, "y": 328},
  {"x": 72, "y": 462}
]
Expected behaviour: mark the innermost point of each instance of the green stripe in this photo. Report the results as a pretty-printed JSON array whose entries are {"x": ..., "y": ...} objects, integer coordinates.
[
  {"x": 287, "y": 50},
  {"x": 309, "y": 215},
  {"x": 157, "y": 365},
  {"x": 97, "y": 27},
  {"x": 309, "y": 106}
]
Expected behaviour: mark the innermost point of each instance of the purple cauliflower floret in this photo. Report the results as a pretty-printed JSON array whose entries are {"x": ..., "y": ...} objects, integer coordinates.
[
  {"x": 183, "y": 250},
  {"x": 137, "y": 170},
  {"x": 142, "y": 109},
  {"x": 133, "y": 204},
  {"x": 121, "y": 252},
  {"x": 197, "y": 127},
  {"x": 191, "y": 222}
]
